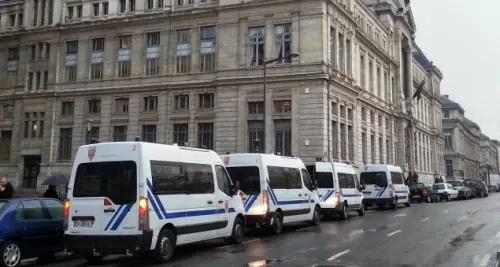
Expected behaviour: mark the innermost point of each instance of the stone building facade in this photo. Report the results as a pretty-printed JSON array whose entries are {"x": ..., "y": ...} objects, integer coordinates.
[
  {"x": 488, "y": 156},
  {"x": 190, "y": 72}
]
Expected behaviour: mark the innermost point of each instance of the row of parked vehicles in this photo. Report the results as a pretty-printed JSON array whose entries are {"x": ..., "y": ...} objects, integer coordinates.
[
  {"x": 145, "y": 199},
  {"x": 452, "y": 190}
]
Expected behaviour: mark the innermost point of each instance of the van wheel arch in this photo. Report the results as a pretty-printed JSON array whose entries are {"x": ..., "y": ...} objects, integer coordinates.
[
  {"x": 242, "y": 217},
  {"x": 171, "y": 227}
]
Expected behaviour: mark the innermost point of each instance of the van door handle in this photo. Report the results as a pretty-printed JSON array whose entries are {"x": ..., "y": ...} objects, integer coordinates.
[
  {"x": 306, "y": 195},
  {"x": 300, "y": 195},
  {"x": 109, "y": 210},
  {"x": 320, "y": 195},
  {"x": 210, "y": 202},
  {"x": 221, "y": 201}
]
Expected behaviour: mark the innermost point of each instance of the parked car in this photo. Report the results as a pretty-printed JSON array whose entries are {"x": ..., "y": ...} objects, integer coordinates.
[
  {"x": 30, "y": 227},
  {"x": 464, "y": 191},
  {"x": 446, "y": 191},
  {"x": 423, "y": 192},
  {"x": 479, "y": 186},
  {"x": 493, "y": 188}
]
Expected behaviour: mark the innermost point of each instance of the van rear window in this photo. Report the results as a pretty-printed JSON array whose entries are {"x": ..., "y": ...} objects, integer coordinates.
[
  {"x": 376, "y": 178},
  {"x": 325, "y": 179},
  {"x": 116, "y": 180},
  {"x": 249, "y": 178}
]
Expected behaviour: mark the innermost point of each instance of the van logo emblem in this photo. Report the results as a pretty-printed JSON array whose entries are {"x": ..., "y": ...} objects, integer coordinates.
[
  {"x": 226, "y": 161},
  {"x": 226, "y": 206},
  {"x": 91, "y": 152}
]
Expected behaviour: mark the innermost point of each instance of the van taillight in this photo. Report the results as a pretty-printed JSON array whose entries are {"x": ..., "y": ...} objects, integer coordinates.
[
  {"x": 143, "y": 214},
  {"x": 424, "y": 191},
  {"x": 391, "y": 191},
  {"x": 337, "y": 197},
  {"x": 66, "y": 214},
  {"x": 265, "y": 200}
]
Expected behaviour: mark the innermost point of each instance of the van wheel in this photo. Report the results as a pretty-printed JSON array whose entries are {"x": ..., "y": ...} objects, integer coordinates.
[
  {"x": 11, "y": 255},
  {"x": 93, "y": 260},
  {"x": 408, "y": 203},
  {"x": 343, "y": 213},
  {"x": 316, "y": 217},
  {"x": 394, "y": 204},
  {"x": 165, "y": 246},
  {"x": 238, "y": 232},
  {"x": 277, "y": 226},
  {"x": 361, "y": 211}
]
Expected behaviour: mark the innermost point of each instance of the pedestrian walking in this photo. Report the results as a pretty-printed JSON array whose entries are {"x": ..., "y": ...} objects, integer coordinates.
[
  {"x": 51, "y": 192},
  {"x": 6, "y": 189}
]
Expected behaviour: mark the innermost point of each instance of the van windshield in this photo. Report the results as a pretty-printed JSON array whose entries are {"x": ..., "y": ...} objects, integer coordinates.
[
  {"x": 248, "y": 177},
  {"x": 325, "y": 179},
  {"x": 376, "y": 178},
  {"x": 116, "y": 180}
]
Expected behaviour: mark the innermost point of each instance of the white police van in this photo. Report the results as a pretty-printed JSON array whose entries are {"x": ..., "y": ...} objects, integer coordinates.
[
  {"x": 144, "y": 198},
  {"x": 276, "y": 190},
  {"x": 338, "y": 188},
  {"x": 384, "y": 186}
]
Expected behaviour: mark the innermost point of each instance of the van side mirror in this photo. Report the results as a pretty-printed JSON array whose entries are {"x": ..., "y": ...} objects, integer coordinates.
[{"x": 361, "y": 187}]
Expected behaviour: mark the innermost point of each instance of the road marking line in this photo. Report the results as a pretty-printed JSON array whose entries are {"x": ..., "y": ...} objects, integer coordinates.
[
  {"x": 498, "y": 235},
  {"x": 393, "y": 233},
  {"x": 426, "y": 219},
  {"x": 462, "y": 218},
  {"x": 338, "y": 255},
  {"x": 445, "y": 211},
  {"x": 245, "y": 242},
  {"x": 307, "y": 228},
  {"x": 400, "y": 215},
  {"x": 369, "y": 211},
  {"x": 485, "y": 260},
  {"x": 250, "y": 241}
]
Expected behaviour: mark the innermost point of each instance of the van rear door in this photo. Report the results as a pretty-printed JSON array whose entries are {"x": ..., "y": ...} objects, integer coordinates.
[
  {"x": 323, "y": 176},
  {"x": 376, "y": 184},
  {"x": 103, "y": 199}
]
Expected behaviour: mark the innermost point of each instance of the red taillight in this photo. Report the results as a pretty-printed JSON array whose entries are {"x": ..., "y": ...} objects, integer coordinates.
[
  {"x": 391, "y": 191},
  {"x": 265, "y": 200},
  {"x": 66, "y": 214},
  {"x": 143, "y": 214},
  {"x": 107, "y": 202},
  {"x": 337, "y": 196},
  {"x": 424, "y": 191}
]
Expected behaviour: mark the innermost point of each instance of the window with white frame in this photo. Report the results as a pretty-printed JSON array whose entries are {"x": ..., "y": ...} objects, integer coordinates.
[
  {"x": 153, "y": 53},
  {"x": 12, "y": 64},
  {"x": 150, "y": 104},
  {"x": 124, "y": 55},
  {"x": 256, "y": 40},
  {"x": 181, "y": 102},
  {"x": 283, "y": 43},
  {"x": 121, "y": 105},
  {"x": 183, "y": 2},
  {"x": 183, "y": 51},
  {"x": 71, "y": 60},
  {"x": 97, "y": 59},
  {"x": 207, "y": 48}
]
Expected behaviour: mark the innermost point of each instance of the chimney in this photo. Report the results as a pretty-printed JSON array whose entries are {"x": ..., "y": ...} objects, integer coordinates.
[{"x": 447, "y": 96}]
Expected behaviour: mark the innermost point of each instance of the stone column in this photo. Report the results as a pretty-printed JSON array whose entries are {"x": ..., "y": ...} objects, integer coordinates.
[
  {"x": 33, "y": 86},
  {"x": 16, "y": 21},
  {"x": 344, "y": 52},
  {"x": 127, "y": 5},
  {"x": 336, "y": 62},
  {"x": 39, "y": 13},
  {"x": 46, "y": 16}
]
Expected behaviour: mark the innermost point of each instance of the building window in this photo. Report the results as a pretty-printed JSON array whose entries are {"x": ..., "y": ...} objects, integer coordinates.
[
  {"x": 283, "y": 137},
  {"x": 119, "y": 133},
  {"x": 67, "y": 108},
  {"x": 71, "y": 60},
  {"x": 282, "y": 106},
  {"x": 364, "y": 148},
  {"x": 362, "y": 71},
  {"x": 124, "y": 55},
  {"x": 183, "y": 2},
  {"x": 256, "y": 137},
  {"x": 121, "y": 105},
  {"x": 92, "y": 134},
  {"x": 379, "y": 83},
  {"x": 94, "y": 106},
  {"x": 5, "y": 144},
  {"x": 180, "y": 134},
  {"x": 12, "y": 64},
  {"x": 206, "y": 101},
  {"x": 446, "y": 113},
  {"x": 95, "y": 9},
  {"x": 255, "y": 107},
  {"x": 449, "y": 168},
  {"x": 348, "y": 54},
  {"x": 207, "y": 48},
  {"x": 183, "y": 51},
  {"x": 105, "y": 8},
  {"x": 335, "y": 139},
  {"x": 283, "y": 43},
  {"x": 149, "y": 4},
  {"x": 372, "y": 117},
  {"x": 380, "y": 151},
  {"x": 149, "y": 133},
  {"x": 97, "y": 60},
  {"x": 448, "y": 141},
  {"x": 8, "y": 111},
  {"x": 370, "y": 76},
  {"x": 332, "y": 47},
  {"x": 150, "y": 104},
  {"x": 206, "y": 135},
  {"x": 341, "y": 52},
  {"x": 372, "y": 146},
  {"x": 153, "y": 54},
  {"x": 123, "y": 6},
  {"x": 350, "y": 137},
  {"x": 132, "y": 5},
  {"x": 363, "y": 114},
  {"x": 181, "y": 102},
  {"x": 256, "y": 40},
  {"x": 79, "y": 11},
  {"x": 65, "y": 143}
]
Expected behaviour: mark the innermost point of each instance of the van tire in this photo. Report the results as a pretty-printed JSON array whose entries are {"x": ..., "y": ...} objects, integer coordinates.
[
  {"x": 394, "y": 204},
  {"x": 361, "y": 211},
  {"x": 316, "y": 217},
  {"x": 277, "y": 226},
  {"x": 238, "y": 233},
  {"x": 93, "y": 260},
  {"x": 343, "y": 213},
  {"x": 166, "y": 241},
  {"x": 408, "y": 203}
]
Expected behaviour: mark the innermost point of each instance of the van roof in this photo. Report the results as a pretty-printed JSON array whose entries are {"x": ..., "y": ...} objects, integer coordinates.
[
  {"x": 243, "y": 158},
  {"x": 379, "y": 167}
]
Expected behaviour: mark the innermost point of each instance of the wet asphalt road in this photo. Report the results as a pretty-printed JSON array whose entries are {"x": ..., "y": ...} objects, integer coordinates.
[{"x": 457, "y": 233}]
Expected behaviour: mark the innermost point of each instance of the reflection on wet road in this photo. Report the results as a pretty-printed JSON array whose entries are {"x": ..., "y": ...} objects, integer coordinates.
[{"x": 458, "y": 233}]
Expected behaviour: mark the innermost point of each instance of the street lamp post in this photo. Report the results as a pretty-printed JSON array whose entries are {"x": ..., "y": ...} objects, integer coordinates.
[
  {"x": 289, "y": 56},
  {"x": 90, "y": 122}
]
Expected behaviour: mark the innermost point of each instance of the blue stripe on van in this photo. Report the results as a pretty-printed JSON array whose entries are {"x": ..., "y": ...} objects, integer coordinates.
[
  {"x": 157, "y": 199},
  {"x": 381, "y": 192},
  {"x": 121, "y": 217},
  {"x": 113, "y": 218},
  {"x": 250, "y": 202},
  {"x": 327, "y": 195},
  {"x": 155, "y": 206},
  {"x": 272, "y": 195},
  {"x": 287, "y": 202}
]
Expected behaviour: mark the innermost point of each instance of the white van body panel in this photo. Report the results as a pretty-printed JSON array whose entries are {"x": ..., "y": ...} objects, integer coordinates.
[
  {"x": 394, "y": 187},
  {"x": 296, "y": 204},
  {"x": 196, "y": 216}
]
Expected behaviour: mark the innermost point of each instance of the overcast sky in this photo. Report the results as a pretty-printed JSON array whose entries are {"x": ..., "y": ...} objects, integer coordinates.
[{"x": 463, "y": 40}]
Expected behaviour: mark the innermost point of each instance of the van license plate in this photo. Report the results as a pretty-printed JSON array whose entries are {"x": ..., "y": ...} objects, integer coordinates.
[{"x": 83, "y": 224}]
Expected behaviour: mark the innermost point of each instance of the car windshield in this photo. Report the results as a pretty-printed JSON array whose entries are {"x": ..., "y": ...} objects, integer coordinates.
[
  {"x": 456, "y": 183},
  {"x": 417, "y": 186},
  {"x": 249, "y": 178},
  {"x": 438, "y": 187},
  {"x": 374, "y": 178}
]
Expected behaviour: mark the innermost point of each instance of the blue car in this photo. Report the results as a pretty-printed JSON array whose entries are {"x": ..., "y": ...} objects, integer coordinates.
[{"x": 30, "y": 227}]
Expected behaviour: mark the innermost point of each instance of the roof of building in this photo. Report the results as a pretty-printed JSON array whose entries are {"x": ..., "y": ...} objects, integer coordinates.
[
  {"x": 448, "y": 103},
  {"x": 419, "y": 55},
  {"x": 470, "y": 123},
  {"x": 482, "y": 136}
]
